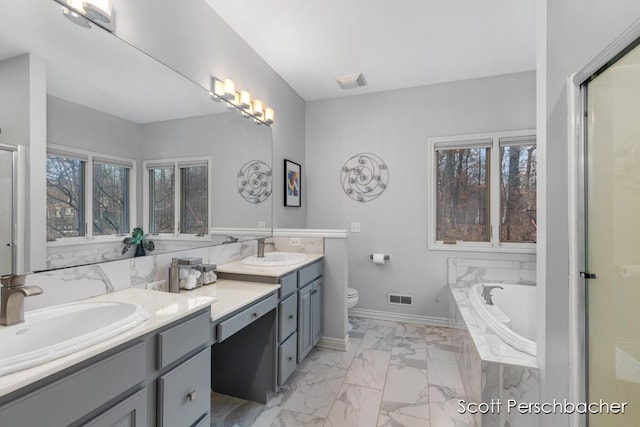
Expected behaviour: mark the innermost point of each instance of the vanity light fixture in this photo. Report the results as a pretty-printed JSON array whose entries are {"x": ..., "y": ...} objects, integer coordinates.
[
  {"x": 225, "y": 90},
  {"x": 93, "y": 10}
]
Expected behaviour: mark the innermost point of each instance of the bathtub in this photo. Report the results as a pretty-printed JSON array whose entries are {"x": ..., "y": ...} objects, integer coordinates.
[{"x": 512, "y": 317}]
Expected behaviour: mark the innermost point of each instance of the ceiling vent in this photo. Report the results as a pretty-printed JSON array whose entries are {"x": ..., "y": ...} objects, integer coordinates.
[{"x": 351, "y": 81}]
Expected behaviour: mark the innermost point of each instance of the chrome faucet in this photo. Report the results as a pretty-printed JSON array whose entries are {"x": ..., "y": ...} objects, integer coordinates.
[
  {"x": 486, "y": 293},
  {"x": 12, "y": 297}
]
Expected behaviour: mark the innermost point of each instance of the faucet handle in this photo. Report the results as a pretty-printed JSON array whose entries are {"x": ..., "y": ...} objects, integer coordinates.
[{"x": 13, "y": 280}]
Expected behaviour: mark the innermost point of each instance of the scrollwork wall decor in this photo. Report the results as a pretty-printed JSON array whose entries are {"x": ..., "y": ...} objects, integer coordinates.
[
  {"x": 364, "y": 177},
  {"x": 254, "y": 181}
]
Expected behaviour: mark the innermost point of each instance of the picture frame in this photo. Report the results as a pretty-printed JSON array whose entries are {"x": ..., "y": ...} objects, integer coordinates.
[{"x": 292, "y": 184}]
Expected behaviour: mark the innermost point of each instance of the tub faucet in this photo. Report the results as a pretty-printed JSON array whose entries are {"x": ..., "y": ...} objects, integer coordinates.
[
  {"x": 12, "y": 296},
  {"x": 486, "y": 293}
]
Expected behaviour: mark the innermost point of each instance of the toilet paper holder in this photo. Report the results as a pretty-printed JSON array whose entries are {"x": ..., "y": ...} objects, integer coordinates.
[{"x": 386, "y": 257}]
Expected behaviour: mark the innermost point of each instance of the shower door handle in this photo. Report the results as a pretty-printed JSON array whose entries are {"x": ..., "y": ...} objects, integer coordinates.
[{"x": 584, "y": 275}]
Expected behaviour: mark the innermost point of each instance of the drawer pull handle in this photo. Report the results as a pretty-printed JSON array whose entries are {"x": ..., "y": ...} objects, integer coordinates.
[
  {"x": 291, "y": 317},
  {"x": 254, "y": 315},
  {"x": 192, "y": 396}
]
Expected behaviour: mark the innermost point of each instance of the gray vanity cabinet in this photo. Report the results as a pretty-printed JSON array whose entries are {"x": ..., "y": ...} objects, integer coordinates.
[
  {"x": 159, "y": 379},
  {"x": 309, "y": 317},
  {"x": 132, "y": 412}
]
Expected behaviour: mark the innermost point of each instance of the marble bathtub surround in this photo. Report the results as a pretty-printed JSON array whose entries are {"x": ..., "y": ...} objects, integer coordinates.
[
  {"x": 384, "y": 379},
  {"x": 488, "y": 367}
]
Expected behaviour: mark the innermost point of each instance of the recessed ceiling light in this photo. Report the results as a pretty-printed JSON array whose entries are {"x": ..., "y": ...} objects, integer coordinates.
[{"x": 351, "y": 81}]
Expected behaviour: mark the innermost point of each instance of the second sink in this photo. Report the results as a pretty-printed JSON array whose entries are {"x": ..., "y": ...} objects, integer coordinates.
[{"x": 275, "y": 259}]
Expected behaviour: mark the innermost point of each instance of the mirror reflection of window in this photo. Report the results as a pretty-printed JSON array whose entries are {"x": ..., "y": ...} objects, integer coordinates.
[
  {"x": 194, "y": 200},
  {"x": 110, "y": 198},
  {"x": 85, "y": 187},
  {"x": 161, "y": 199},
  {"x": 183, "y": 184},
  {"x": 65, "y": 197}
]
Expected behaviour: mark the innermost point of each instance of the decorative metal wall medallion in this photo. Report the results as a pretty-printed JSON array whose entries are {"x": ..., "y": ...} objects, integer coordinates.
[
  {"x": 364, "y": 177},
  {"x": 254, "y": 181}
]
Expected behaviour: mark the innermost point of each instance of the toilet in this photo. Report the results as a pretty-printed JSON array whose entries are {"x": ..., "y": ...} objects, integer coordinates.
[{"x": 352, "y": 300}]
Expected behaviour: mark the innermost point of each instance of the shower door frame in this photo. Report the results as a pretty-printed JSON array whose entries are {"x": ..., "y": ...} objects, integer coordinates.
[
  {"x": 15, "y": 232},
  {"x": 577, "y": 138}
]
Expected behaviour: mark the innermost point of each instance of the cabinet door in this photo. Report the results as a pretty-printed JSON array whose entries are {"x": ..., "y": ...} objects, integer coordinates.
[
  {"x": 131, "y": 412},
  {"x": 305, "y": 338},
  {"x": 316, "y": 311}
]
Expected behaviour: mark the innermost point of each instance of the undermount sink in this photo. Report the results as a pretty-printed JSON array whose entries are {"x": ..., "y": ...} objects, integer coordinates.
[
  {"x": 275, "y": 259},
  {"x": 50, "y": 333}
]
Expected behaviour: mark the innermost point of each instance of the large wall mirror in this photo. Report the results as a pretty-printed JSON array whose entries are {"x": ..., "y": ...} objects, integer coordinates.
[{"x": 129, "y": 143}]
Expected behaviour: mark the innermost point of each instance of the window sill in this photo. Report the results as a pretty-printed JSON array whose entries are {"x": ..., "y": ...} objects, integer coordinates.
[
  {"x": 80, "y": 241},
  {"x": 524, "y": 249}
]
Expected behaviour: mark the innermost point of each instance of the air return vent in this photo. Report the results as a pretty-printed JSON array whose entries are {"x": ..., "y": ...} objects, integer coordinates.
[{"x": 398, "y": 299}]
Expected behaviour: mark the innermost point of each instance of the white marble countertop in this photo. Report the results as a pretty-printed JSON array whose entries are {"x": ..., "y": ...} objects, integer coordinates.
[
  {"x": 238, "y": 267},
  {"x": 163, "y": 307},
  {"x": 231, "y": 295}
]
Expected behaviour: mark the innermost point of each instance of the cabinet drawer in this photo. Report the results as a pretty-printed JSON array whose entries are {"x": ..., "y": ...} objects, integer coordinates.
[
  {"x": 310, "y": 272},
  {"x": 287, "y": 358},
  {"x": 181, "y": 339},
  {"x": 288, "y": 284},
  {"x": 184, "y": 392},
  {"x": 72, "y": 397},
  {"x": 288, "y": 317},
  {"x": 245, "y": 317}
]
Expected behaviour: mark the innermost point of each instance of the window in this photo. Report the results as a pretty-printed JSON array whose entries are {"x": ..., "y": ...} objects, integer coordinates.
[
  {"x": 75, "y": 177},
  {"x": 177, "y": 196},
  {"x": 484, "y": 192}
]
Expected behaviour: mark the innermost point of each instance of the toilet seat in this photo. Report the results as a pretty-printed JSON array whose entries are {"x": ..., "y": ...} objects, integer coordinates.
[{"x": 351, "y": 292}]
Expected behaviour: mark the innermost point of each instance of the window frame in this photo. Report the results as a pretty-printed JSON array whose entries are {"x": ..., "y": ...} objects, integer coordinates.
[
  {"x": 89, "y": 157},
  {"x": 466, "y": 141},
  {"x": 177, "y": 164}
]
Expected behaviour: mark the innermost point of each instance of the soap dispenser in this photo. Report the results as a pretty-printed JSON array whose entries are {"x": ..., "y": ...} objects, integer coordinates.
[{"x": 174, "y": 276}]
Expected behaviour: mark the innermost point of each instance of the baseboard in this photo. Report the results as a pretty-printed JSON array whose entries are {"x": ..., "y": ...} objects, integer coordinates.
[
  {"x": 334, "y": 343},
  {"x": 395, "y": 317}
]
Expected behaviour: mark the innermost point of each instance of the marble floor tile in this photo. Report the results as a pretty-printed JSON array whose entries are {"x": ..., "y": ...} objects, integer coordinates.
[
  {"x": 355, "y": 406},
  {"x": 288, "y": 418},
  {"x": 378, "y": 338},
  {"x": 358, "y": 324},
  {"x": 444, "y": 408},
  {"x": 393, "y": 419},
  {"x": 445, "y": 372},
  {"x": 222, "y": 405},
  {"x": 313, "y": 393},
  {"x": 406, "y": 392},
  {"x": 336, "y": 358},
  {"x": 409, "y": 355},
  {"x": 369, "y": 369}
]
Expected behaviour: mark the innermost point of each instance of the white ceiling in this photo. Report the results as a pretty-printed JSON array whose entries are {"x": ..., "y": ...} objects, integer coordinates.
[
  {"x": 396, "y": 44},
  {"x": 93, "y": 68}
]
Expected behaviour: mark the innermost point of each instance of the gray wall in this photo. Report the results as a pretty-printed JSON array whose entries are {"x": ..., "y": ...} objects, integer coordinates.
[
  {"x": 78, "y": 126},
  {"x": 396, "y": 125},
  {"x": 577, "y": 30},
  {"x": 23, "y": 111},
  {"x": 194, "y": 40}
]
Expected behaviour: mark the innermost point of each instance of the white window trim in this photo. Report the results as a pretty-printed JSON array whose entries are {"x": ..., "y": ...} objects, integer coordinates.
[
  {"x": 494, "y": 245},
  {"x": 88, "y": 157},
  {"x": 176, "y": 162}
]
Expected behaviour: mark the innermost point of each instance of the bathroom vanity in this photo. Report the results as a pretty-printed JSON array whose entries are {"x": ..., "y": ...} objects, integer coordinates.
[
  {"x": 149, "y": 375},
  {"x": 300, "y": 306}
]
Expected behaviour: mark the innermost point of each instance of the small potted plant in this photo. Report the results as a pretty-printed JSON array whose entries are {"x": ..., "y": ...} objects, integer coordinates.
[{"x": 137, "y": 239}]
